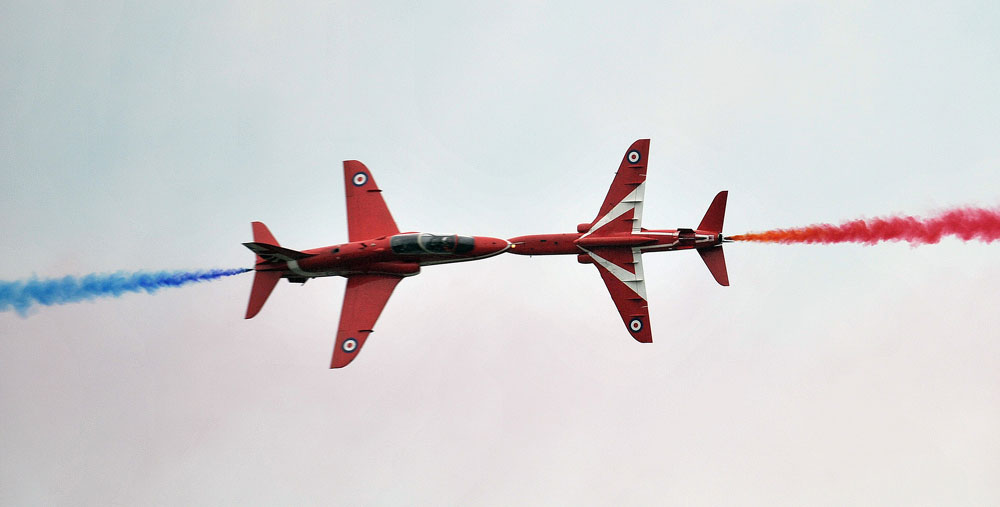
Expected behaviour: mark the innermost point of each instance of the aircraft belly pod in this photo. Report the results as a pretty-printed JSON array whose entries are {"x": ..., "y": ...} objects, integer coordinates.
[
  {"x": 374, "y": 260},
  {"x": 615, "y": 241}
]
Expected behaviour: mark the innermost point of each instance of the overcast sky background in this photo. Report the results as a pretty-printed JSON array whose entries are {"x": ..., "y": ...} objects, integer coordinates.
[{"x": 148, "y": 136}]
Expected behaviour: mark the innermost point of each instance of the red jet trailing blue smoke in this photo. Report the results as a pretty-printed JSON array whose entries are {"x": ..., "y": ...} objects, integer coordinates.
[{"x": 375, "y": 258}]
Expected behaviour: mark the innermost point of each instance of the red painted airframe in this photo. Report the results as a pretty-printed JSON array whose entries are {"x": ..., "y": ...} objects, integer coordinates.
[
  {"x": 374, "y": 260},
  {"x": 615, "y": 241}
]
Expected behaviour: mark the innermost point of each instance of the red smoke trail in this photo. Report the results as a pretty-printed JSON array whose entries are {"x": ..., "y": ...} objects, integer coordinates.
[{"x": 965, "y": 223}]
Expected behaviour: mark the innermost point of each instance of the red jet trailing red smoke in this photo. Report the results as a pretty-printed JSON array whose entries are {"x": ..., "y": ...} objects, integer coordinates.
[{"x": 615, "y": 241}]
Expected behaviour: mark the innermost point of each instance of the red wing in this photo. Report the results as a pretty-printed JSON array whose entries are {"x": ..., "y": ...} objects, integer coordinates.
[
  {"x": 622, "y": 208},
  {"x": 364, "y": 300},
  {"x": 621, "y": 269},
  {"x": 367, "y": 215}
]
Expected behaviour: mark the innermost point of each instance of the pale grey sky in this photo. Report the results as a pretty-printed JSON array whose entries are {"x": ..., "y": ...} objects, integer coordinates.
[{"x": 148, "y": 136}]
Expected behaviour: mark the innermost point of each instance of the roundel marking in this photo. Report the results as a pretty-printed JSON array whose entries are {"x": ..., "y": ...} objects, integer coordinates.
[
  {"x": 349, "y": 345},
  {"x": 634, "y": 157},
  {"x": 635, "y": 325},
  {"x": 359, "y": 179}
]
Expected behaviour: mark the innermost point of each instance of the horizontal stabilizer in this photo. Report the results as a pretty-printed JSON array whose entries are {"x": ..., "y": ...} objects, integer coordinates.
[
  {"x": 263, "y": 284},
  {"x": 716, "y": 262},
  {"x": 261, "y": 234},
  {"x": 274, "y": 253},
  {"x": 716, "y": 214}
]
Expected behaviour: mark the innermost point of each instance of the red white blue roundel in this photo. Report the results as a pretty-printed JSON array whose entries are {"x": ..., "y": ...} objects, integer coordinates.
[
  {"x": 634, "y": 157},
  {"x": 359, "y": 179},
  {"x": 349, "y": 345},
  {"x": 635, "y": 325}
]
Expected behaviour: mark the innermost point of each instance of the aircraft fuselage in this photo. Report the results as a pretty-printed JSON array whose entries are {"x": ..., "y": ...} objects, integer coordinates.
[
  {"x": 399, "y": 255},
  {"x": 645, "y": 240}
]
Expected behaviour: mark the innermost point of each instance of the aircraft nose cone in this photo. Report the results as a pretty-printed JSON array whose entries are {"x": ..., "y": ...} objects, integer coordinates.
[{"x": 489, "y": 246}]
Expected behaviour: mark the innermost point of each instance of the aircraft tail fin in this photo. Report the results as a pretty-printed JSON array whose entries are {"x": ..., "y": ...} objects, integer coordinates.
[
  {"x": 261, "y": 234},
  {"x": 716, "y": 214},
  {"x": 716, "y": 262},
  {"x": 263, "y": 284},
  {"x": 271, "y": 253},
  {"x": 268, "y": 251},
  {"x": 712, "y": 222}
]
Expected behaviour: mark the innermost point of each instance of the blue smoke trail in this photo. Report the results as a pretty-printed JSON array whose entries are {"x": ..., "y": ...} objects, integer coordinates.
[{"x": 21, "y": 295}]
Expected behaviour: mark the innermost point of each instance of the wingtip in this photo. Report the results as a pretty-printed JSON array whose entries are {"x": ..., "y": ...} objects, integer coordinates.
[
  {"x": 645, "y": 336},
  {"x": 338, "y": 362}
]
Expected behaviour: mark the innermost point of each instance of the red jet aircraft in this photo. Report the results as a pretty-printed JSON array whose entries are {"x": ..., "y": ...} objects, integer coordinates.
[
  {"x": 615, "y": 241},
  {"x": 376, "y": 258}
]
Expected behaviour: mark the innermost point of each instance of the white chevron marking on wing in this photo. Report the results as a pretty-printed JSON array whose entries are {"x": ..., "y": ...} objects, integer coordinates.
[
  {"x": 634, "y": 281},
  {"x": 631, "y": 201}
]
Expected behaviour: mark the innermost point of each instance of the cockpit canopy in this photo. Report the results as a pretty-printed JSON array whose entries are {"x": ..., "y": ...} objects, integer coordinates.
[{"x": 425, "y": 243}]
